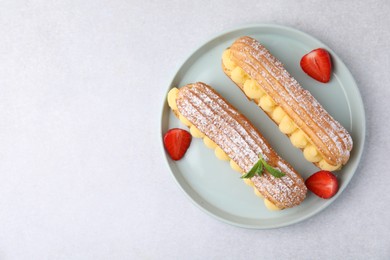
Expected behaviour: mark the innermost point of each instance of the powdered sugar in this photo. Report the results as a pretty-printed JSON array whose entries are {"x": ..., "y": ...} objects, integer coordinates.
[
  {"x": 236, "y": 136},
  {"x": 256, "y": 60}
]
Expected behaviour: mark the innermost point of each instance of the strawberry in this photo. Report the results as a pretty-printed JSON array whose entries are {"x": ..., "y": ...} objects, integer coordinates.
[
  {"x": 317, "y": 64},
  {"x": 324, "y": 184},
  {"x": 176, "y": 142}
]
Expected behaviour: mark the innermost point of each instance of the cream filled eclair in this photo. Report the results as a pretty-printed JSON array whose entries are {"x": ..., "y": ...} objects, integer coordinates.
[
  {"x": 263, "y": 79},
  {"x": 234, "y": 138}
]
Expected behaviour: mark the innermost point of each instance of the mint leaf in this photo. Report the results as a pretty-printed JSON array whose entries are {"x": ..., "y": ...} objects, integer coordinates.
[
  {"x": 274, "y": 172},
  {"x": 255, "y": 169},
  {"x": 259, "y": 167},
  {"x": 259, "y": 170}
]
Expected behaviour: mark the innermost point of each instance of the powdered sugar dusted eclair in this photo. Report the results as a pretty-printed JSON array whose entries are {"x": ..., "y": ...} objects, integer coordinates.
[
  {"x": 234, "y": 138},
  {"x": 298, "y": 114}
]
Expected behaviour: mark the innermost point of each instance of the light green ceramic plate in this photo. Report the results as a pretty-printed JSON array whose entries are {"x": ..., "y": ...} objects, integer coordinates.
[{"x": 210, "y": 183}]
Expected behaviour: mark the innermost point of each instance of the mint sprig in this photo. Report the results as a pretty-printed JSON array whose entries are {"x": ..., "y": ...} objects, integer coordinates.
[{"x": 258, "y": 169}]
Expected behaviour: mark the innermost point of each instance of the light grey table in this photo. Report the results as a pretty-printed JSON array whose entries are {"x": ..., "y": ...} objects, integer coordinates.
[{"x": 82, "y": 174}]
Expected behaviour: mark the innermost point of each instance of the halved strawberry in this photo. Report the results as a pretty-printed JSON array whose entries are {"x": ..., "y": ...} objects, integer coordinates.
[
  {"x": 176, "y": 142},
  {"x": 317, "y": 64},
  {"x": 323, "y": 183}
]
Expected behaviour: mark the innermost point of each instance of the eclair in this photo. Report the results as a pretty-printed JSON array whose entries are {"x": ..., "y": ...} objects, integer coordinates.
[
  {"x": 264, "y": 80},
  {"x": 235, "y": 139}
]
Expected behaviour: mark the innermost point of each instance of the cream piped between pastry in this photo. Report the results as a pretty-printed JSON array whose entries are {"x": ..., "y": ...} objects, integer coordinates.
[
  {"x": 219, "y": 153},
  {"x": 255, "y": 92}
]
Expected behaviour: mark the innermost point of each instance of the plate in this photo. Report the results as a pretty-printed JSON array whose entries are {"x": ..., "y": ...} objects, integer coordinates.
[{"x": 210, "y": 183}]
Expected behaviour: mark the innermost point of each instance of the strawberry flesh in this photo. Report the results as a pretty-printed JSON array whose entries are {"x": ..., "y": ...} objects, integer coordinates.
[
  {"x": 317, "y": 64},
  {"x": 176, "y": 142},
  {"x": 323, "y": 183}
]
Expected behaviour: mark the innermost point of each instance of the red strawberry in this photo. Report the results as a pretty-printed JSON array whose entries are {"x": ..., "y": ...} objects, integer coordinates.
[
  {"x": 176, "y": 142},
  {"x": 317, "y": 65},
  {"x": 323, "y": 184}
]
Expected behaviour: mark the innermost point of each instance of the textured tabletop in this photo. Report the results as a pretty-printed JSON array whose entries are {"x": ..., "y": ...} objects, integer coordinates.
[{"x": 82, "y": 173}]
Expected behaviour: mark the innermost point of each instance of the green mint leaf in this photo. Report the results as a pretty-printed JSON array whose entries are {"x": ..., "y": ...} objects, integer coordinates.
[
  {"x": 259, "y": 170},
  {"x": 252, "y": 171},
  {"x": 274, "y": 172}
]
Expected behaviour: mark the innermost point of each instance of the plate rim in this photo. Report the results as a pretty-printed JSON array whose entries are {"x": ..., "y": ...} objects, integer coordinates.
[{"x": 361, "y": 112}]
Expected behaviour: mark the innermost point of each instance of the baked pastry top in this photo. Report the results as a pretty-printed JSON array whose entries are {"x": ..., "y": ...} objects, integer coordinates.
[
  {"x": 263, "y": 79},
  {"x": 210, "y": 116}
]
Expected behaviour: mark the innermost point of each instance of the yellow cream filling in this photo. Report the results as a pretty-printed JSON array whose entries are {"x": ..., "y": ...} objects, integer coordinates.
[
  {"x": 239, "y": 76},
  {"x": 278, "y": 114},
  {"x": 326, "y": 166},
  {"x": 172, "y": 98},
  {"x": 235, "y": 166},
  {"x": 298, "y": 139},
  {"x": 267, "y": 104},
  {"x": 252, "y": 89},
  {"x": 250, "y": 183},
  {"x": 209, "y": 143},
  {"x": 311, "y": 154},
  {"x": 195, "y": 132},
  {"x": 286, "y": 125},
  {"x": 270, "y": 205},
  {"x": 219, "y": 153},
  {"x": 257, "y": 192},
  {"x": 184, "y": 120},
  {"x": 227, "y": 61}
]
